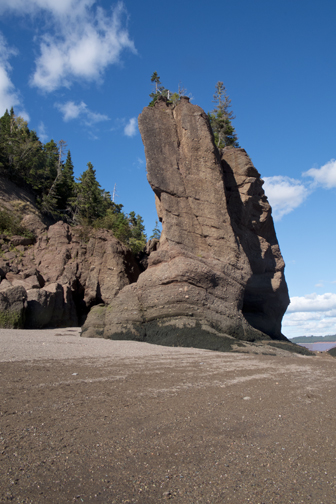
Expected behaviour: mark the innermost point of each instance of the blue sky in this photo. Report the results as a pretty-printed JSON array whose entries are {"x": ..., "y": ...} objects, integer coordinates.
[{"x": 79, "y": 70}]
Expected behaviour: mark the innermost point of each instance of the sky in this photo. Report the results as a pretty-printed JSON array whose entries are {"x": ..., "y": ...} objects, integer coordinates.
[{"x": 79, "y": 70}]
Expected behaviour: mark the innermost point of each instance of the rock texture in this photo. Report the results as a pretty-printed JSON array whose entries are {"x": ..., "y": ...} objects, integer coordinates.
[
  {"x": 218, "y": 271},
  {"x": 61, "y": 275},
  {"x": 13, "y": 303}
]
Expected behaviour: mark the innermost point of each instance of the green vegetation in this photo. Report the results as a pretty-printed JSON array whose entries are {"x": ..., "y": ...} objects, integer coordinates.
[
  {"x": 11, "y": 320},
  {"x": 159, "y": 90},
  {"x": 127, "y": 228},
  {"x": 156, "y": 233},
  {"x": 26, "y": 161},
  {"x": 10, "y": 225},
  {"x": 220, "y": 119}
]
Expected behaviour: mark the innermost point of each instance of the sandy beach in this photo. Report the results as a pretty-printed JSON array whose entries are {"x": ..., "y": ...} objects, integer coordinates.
[{"x": 90, "y": 420}]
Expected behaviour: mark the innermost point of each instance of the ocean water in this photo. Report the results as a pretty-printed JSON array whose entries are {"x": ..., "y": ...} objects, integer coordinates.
[{"x": 319, "y": 347}]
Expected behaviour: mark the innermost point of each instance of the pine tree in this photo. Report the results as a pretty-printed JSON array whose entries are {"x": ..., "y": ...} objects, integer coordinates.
[
  {"x": 156, "y": 233},
  {"x": 4, "y": 130},
  {"x": 66, "y": 187},
  {"x": 221, "y": 117},
  {"x": 90, "y": 204},
  {"x": 138, "y": 239},
  {"x": 159, "y": 90}
]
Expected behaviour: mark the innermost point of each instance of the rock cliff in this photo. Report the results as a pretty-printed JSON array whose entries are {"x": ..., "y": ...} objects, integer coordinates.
[
  {"x": 218, "y": 272},
  {"x": 54, "y": 280}
]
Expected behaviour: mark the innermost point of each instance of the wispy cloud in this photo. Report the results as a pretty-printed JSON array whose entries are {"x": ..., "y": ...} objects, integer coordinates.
[
  {"x": 324, "y": 176},
  {"x": 314, "y": 314},
  {"x": 131, "y": 127},
  {"x": 24, "y": 114},
  {"x": 8, "y": 95},
  {"x": 41, "y": 131},
  {"x": 284, "y": 194},
  {"x": 80, "y": 42},
  {"x": 72, "y": 110},
  {"x": 59, "y": 7}
]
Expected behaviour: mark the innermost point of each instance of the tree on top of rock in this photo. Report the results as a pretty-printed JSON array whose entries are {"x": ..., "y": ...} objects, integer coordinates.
[
  {"x": 159, "y": 90},
  {"x": 221, "y": 117}
]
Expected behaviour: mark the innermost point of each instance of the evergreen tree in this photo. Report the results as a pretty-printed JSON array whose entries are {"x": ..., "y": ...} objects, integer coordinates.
[
  {"x": 24, "y": 159},
  {"x": 90, "y": 204},
  {"x": 66, "y": 187},
  {"x": 159, "y": 90},
  {"x": 116, "y": 221},
  {"x": 156, "y": 80},
  {"x": 4, "y": 132},
  {"x": 138, "y": 239},
  {"x": 156, "y": 233},
  {"x": 49, "y": 203},
  {"x": 221, "y": 117},
  {"x": 20, "y": 148}
]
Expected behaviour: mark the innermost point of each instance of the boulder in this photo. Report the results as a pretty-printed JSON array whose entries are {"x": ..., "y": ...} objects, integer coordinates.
[
  {"x": 13, "y": 303},
  {"x": 50, "y": 307},
  {"x": 34, "y": 224},
  {"x": 5, "y": 284},
  {"x": 218, "y": 272},
  {"x": 17, "y": 241}
]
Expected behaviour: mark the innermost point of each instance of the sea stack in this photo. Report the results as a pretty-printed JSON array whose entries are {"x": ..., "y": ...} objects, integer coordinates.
[{"x": 218, "y": 272}]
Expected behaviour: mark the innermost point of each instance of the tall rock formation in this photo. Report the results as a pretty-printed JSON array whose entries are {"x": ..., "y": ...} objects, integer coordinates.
[{"x": 218, "y": 270}]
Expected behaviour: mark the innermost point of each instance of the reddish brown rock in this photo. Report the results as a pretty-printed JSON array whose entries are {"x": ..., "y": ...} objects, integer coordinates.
[
  {"x": 67, "y": 271},
  {"x": 52, "y": 306},
  {"x": 218, "y": 272}
]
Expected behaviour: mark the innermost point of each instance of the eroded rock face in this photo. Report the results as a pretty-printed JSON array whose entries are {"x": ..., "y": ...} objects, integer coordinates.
[
  {"x": 65, "y": 273},
  {"x": 218, "y": 270},
  {"x": 266, "y": 294}
]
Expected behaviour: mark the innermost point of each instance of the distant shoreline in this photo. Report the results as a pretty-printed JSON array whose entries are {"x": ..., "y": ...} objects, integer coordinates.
[{"x": 314, "y": 339}]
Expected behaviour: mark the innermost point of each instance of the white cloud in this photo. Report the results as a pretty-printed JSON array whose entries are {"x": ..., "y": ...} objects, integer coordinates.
[
  {"x": 24, "y": 114},
  {"x": 71, "y": 110},
  {"x": 284, "y": 194},
  {"x": 131, "y": 127},
  {"x": 80, "y": 42},
  {"x": 315, "y": 326},
  {"x": 41, "y": 131},
  {"x": 59, "y": 7},
  {"x": 314, "y": 314},
  {"x": 313, "y": 302},
  {"x": 8, "y": 95},
  {"x": 324, "y": 176}
]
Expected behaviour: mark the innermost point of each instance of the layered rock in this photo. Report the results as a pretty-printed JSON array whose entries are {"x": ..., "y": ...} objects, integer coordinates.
[
  {"x": 218, "y": 271},
  {"x": 63, "y": 274}
]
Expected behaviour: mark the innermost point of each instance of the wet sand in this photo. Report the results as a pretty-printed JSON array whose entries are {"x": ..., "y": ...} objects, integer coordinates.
[{"x": 125, "y": 422}]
